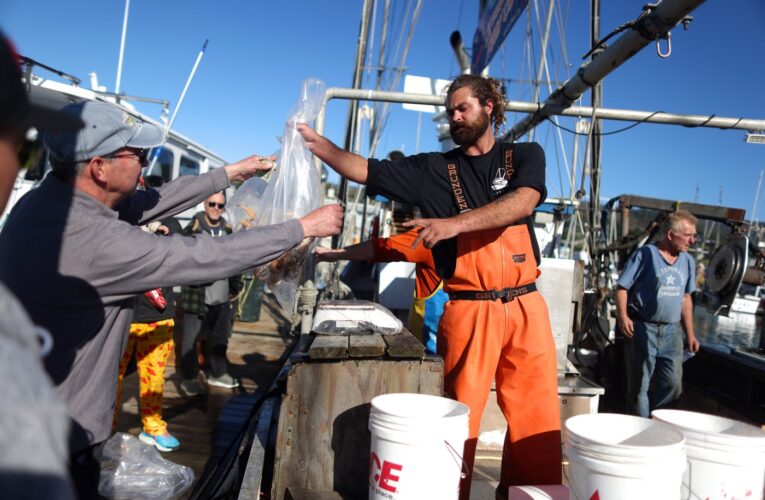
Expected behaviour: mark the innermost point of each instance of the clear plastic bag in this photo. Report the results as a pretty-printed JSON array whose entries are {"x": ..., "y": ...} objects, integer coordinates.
[
  {"x": 132, "y": 469},
  {"x": 293, "y": 191},
  {"x": 243, "y": 208},
  {"x": 354, "y": 317}
]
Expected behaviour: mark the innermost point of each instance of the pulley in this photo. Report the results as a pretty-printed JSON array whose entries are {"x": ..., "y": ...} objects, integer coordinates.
[{"x": 725, "y": 273}]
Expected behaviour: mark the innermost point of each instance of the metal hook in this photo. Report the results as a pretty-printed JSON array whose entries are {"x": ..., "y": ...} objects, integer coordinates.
[{"x": 669, "y": 46}]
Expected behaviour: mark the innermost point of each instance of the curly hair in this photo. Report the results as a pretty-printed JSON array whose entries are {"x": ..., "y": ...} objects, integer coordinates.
[{"x": 485, "y": 89}]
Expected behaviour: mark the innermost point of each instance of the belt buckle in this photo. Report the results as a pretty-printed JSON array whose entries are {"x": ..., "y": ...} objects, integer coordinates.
[{"x": 505, "y": 295}]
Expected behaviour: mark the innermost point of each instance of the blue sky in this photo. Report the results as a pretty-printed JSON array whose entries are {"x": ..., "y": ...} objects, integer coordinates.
[{"x": 259, "y": 53}]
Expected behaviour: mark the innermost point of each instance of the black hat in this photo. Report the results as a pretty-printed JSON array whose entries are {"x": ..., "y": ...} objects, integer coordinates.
[{"x": 16, "y": 110}]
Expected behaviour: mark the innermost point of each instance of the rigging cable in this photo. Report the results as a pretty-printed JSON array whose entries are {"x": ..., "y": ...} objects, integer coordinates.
[
  {"x": 398, "y": 71},
  {"x": 612, "y": 132}
]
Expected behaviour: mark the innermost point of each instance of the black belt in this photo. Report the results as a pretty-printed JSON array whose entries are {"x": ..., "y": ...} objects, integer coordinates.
[{"x": 505, "y": 295}]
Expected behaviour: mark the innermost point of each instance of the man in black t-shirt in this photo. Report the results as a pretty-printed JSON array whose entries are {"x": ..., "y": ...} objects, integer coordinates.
[{"x": 477, "y": 201}]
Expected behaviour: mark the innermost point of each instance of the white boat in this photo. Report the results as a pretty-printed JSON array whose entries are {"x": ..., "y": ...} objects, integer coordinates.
[{"x": 178, "y": 156}]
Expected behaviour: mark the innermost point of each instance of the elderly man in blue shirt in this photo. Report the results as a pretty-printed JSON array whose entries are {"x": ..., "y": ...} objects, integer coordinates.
[{"x": 653, "y": 300}]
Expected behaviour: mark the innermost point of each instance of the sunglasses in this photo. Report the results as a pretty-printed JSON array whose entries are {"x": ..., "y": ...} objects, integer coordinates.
[
  {"x": 212, "y": 204},
  {"x": 142, "y": 156}
]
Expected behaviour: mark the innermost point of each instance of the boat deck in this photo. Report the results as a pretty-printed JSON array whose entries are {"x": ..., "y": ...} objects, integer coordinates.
[
  {"x": 254, "y": 354},
  {"x": 205, "y": 425}
]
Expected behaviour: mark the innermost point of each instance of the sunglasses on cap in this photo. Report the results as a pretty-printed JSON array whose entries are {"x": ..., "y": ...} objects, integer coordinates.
[{"x": 212, "y": 204}]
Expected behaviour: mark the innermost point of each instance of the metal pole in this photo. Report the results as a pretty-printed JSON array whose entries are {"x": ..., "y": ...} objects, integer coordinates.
[
  {"x": 122, "y": 49},
  {"x": 543, "y": 56},
  {"x": 358, "y": 72},
  {"x": 707, "y": 121},
  {"x": 180, "y": 101},
  {"x": 659, "y": 22},
  {"x": 596, "y": 101},
  {"x": 753, "y": 218},
  {"x": 188, "y": 82}
]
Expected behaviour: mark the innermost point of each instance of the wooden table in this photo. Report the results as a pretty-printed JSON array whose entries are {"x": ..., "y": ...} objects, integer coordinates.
[{"x": 323, "y": 442}]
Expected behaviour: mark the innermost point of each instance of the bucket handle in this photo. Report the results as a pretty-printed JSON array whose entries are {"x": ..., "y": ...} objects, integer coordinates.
[
  {"x": 691, "y": 494},
  {"x": 457, "y": 459},
  {"x": 572, "y": 487}
]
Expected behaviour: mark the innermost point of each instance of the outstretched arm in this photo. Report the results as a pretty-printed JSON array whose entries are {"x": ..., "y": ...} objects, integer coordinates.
[
  {"x": 351, "y": 166},
  {"x": 244, "y": 169},
  {"x": 359, "y": 251},
  {"x": 502, "y": 212}
]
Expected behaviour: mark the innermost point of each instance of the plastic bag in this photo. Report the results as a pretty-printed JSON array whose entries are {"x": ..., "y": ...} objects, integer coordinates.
[
  {"x": 243, "y": 208},
  {"x": 132, "y": 469},
  {"x": 293, "y": 191},
  {"x": 354, "y": 317}
]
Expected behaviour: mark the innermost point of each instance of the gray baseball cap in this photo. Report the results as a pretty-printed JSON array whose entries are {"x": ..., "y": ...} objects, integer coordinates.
[{"x": 108, "y": 128}]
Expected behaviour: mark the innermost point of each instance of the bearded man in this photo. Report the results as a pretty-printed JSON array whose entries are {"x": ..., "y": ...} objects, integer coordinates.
[{"x": 478, "y": 200}]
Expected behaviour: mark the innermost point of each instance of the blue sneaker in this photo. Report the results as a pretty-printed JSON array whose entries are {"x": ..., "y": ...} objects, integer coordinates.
[{"x": 165, "y": 442}]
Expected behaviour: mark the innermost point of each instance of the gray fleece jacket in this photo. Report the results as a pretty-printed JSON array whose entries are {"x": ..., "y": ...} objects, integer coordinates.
[
  {"x": 75, "y": 265},
  {"x": 33, "y": 423}
]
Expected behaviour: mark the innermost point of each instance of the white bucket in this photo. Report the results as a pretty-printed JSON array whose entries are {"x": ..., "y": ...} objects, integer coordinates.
[
  {"x": 726, "y": 458},
  {"x": 417, "y": 447},
  {"x": 623, "y": 457}
]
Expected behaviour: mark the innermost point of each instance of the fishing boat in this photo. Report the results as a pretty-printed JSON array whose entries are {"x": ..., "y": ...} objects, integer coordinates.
[{"x": 252, "y": 432}]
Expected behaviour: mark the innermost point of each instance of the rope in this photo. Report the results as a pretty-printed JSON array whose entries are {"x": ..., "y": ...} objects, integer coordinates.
[{"x": 612, "y": 132}]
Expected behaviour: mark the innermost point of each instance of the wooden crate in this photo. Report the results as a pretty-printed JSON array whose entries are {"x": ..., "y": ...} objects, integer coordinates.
[{"x": 323, "y": 442}]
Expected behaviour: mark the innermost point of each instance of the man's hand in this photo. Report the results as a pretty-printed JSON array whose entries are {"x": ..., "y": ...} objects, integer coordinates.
[
  {"x": 324, "y": 221},
  {"x": 244, "y": 169},
  {"x": 693, "y": 343},
  {"x": 433, "y": 231},
  {"x": 351, "y": 166},
  {"x": 626, "y": 326},
  {"x": 324, "y": 254},
  {"x": 309, "y": 135}
]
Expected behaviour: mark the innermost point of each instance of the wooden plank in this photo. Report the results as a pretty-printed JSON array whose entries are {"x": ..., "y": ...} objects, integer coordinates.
[
  {"x": 366, "y": 346},
  {"x": 323, "y": 441},
  {"x": 329, "y": 347},
  {"x": 432, "y": 376},
  {"x": 253, "y": 472},
  {"x": 707, "y": 211},
  {"x": 404, "y": 345}
]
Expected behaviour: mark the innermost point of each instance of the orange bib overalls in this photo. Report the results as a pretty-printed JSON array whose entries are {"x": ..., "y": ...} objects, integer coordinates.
[{"x": 507, "y": 341}]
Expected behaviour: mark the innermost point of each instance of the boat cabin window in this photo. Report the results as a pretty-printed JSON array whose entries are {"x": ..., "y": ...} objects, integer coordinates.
[
  {"x": 189, "y": 166},
  {"x": 164, "y": 165}
]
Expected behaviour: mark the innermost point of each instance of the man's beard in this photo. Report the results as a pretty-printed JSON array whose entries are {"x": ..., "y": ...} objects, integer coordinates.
[{"x": 468, "y": 133}]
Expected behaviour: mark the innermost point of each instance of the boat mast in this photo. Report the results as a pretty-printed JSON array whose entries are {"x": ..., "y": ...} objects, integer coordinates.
[
  {"x": 596, "y": 98},
  {"x": 753, "y": 219},
  {"x": 122, "y": 50},
  {"x": 648, "y": 28},
  {"x": 358, "y": 73}
]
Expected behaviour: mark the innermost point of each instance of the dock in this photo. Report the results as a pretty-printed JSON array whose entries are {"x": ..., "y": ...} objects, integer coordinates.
[{"x": 207, "y": 424}]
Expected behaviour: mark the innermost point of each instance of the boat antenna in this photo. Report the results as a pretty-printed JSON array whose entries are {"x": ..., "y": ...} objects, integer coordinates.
[
  {"x": 753, "y": 218},
  {"x": 158, "y": 150},
  {"x": 122, "y": 50}
]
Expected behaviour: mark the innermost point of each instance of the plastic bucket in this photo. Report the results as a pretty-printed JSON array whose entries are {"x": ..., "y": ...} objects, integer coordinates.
[
  {"x": 417, "y": 446},
  {"x": 623, "y": 457},
  {"x": 726, "y": 458}
]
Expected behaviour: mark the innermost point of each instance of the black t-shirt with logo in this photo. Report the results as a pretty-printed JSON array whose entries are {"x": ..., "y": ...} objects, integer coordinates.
[{"x": 424, "y": 180}]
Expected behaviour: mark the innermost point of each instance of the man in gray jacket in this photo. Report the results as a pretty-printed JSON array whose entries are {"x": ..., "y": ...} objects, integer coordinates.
[{"x": 73, "y": 254}]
